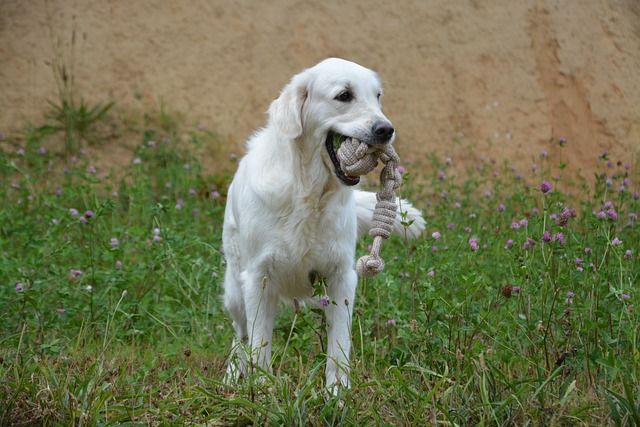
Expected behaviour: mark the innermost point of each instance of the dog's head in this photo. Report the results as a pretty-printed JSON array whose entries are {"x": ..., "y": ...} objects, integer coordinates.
[{"x": 334, "y": 98}]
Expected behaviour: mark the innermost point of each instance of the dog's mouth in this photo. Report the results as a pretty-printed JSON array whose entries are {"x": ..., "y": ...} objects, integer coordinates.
[{"x": 332, "y": 143}]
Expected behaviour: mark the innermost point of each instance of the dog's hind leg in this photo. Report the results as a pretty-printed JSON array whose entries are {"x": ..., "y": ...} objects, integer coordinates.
[{"x": 341, "y": 288}]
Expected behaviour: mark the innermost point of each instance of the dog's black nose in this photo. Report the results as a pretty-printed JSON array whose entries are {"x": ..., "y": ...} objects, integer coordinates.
[{"x": 383, "y": 131}]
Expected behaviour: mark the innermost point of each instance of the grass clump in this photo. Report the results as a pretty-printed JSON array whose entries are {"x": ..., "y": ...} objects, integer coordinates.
[{"x": 516, "y": 307}]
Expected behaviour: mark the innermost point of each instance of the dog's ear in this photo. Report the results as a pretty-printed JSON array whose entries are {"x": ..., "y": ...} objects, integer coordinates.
[{"x": 286, "y": 111}]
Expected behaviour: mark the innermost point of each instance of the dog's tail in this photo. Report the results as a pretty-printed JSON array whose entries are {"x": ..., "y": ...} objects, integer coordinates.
[{"x": 365, "y": 205}]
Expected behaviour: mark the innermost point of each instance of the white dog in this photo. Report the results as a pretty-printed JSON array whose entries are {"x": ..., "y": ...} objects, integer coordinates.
[{"x": 292, "y": 213}]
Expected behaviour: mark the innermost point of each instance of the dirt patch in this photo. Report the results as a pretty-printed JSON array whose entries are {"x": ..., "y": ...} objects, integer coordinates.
[{"x": 500, "y": 79}]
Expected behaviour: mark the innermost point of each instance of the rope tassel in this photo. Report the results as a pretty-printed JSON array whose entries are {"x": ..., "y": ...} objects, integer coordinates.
[{"x": 356, "y": 159}]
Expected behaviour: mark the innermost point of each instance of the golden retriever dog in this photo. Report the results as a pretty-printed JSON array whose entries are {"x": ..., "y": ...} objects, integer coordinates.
[{"x": 292, "y": 214}]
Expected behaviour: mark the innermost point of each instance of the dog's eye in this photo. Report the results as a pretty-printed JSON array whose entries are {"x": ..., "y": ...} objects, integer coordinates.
[{"x": 344, "y": 96}]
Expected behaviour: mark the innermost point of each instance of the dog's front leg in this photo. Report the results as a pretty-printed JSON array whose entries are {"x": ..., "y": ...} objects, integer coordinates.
[
  {"x": 341, "y": 289},
  {"x": 260, "y": 305}
]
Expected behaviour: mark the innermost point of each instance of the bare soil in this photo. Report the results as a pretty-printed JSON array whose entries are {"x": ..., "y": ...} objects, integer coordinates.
[{"x": 496, "y": 79}]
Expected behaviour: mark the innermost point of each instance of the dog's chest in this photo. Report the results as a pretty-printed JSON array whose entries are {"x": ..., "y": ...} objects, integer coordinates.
[{"x": 318, "y": 236}]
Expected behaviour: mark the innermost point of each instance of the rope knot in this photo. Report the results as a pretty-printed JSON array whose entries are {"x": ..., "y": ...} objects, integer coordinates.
[{"x": 357, "y": 158}]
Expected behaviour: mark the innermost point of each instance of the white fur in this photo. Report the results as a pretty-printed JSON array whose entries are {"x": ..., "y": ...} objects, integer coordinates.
[{"x": 289, "y": 215}]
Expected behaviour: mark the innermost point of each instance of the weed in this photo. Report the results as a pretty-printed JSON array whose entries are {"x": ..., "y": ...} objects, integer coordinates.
[{"x": 77, "y": 121}]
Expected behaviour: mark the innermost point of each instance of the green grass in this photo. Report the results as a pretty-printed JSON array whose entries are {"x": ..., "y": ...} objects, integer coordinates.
[{"x": 110, "y": 310}]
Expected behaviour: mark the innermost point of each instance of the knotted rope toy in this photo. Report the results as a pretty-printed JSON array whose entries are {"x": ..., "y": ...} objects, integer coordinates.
[{"x": 357, "y": 158}]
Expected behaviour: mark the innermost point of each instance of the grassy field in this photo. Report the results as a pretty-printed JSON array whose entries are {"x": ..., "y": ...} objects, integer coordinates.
[{"x": 515, "y": 308}]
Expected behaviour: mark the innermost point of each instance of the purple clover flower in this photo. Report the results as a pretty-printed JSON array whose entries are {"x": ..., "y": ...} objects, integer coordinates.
[
  {"x": 528, "y": 244},
  {"x": 545, "y": 187},
  {"x": 569, "y": 299},
  {"x": 564, "y": 217},
  {"x": 473, "y": 243}
]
